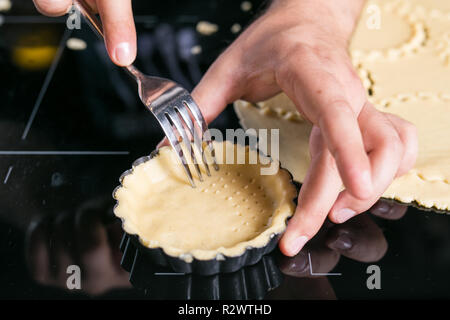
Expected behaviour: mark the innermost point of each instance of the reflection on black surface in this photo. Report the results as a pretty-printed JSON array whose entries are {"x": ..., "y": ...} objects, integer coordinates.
[
  {"x": 84, "y": 239},
  {"x": 359, "y": 239},
  {"x": 90, "y": 239}
]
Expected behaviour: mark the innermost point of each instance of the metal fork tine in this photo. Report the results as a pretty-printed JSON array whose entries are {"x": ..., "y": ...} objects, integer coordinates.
[
  {"x": 167, "y": 127},
  {"x": 197, "y": 141},
  {"x": 190, "y": 103},
  {"x": 172, "y": 114}
]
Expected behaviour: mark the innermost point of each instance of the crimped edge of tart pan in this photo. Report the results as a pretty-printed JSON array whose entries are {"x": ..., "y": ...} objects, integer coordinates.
[{"x": 249, "y": 283}]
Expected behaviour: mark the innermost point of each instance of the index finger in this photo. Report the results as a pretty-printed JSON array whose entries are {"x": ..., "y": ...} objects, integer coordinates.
[
  {"x": 120, "y": 32},
  {"x": 320, "y": 96}
]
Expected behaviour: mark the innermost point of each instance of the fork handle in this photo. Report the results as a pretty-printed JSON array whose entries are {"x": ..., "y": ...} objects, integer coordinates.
[{"x": 96, "y": 26}]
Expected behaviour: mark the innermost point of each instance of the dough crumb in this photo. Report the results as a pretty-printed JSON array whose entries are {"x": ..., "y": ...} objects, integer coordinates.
[
  {"x": 246, "y": 6},
  {"x": 207, "y": 28},
  {"x": 196, "y": 50},
  {"x": 76, "y": 44},
  {"x": 5, "y": 5},
  {"x": 236, "y": 28}
]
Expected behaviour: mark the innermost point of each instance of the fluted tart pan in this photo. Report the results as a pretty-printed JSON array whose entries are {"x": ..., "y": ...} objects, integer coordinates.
[{"x": 230, "y": 220}]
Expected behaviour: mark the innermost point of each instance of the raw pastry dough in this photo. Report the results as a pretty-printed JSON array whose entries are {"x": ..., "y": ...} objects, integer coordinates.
[
  {"x": 405, "y": 65},
  {"x": 294, "y": 135},
  {"x": 233, "y": 209}
]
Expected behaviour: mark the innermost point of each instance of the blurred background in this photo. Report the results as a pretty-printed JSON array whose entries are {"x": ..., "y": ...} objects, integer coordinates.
[{"x": 60, "y": 92}]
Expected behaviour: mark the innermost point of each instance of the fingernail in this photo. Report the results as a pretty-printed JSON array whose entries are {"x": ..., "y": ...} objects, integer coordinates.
[
  {"x": 381, "y": 208},
  {"x": 122, "y": 54},
  {"x": 295, "y": 266},
  {"x": 343, "y": 242},
  {"x": 344, "y": 214},
  {"x": 297, "y": 244}
]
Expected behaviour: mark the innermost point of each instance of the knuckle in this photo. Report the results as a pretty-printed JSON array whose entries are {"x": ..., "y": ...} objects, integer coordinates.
[
  {"x": 395, "y": 145},
  {"x": 410, "y": 131},
  {"x": 337, "y": 110},
  {"x": 295, "y": 51},
  {"x": 292, "y": 45},
  {"x": 342, "y": 106},
  {"x": 312, "y": 50},
  {"x": 391, "y": 142},
  {"x": 410, "y": 140},
  {"x": 299, "y": 49},
  {"x": 52, "y": 7},
  {"x": 308, "y": 221}
]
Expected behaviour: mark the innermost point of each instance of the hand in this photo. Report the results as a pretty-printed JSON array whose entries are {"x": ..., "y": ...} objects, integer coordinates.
[
  {"x": 391, "y": 145},
  {"x": 118, "y": 24},
  {"x": 300, "y": 47}
]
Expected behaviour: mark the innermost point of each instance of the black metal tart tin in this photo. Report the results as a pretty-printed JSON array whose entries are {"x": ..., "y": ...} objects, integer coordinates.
[
  {"x": 220, "y": 264},
  {"x": 251, "y": 282},
  {"x": 202, "y": 267}
]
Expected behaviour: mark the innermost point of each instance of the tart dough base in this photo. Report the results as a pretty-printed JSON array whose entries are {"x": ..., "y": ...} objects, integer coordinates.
[{"x": 236, "y": 207}]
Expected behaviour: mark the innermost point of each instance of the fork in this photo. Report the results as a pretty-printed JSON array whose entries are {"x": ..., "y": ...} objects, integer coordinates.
[{"x": 171, "y": 104}]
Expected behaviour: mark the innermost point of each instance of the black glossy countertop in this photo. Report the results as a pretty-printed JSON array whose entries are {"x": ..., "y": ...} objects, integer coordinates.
[{"x": 58, "y": 111}]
